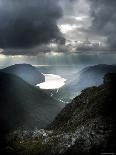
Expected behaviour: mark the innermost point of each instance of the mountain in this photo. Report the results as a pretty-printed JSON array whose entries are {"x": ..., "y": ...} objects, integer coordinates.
[
  {"x": 86, "y": 126},
  {"x": 27, "y": 72},
  {"x": 23, "y": 105},
  {"x": 93, "y": 75},
  {"x": 90, "y": 76}
]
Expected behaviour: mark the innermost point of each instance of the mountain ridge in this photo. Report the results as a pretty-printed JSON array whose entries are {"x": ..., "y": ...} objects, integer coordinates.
[
  {"x": 87, "y": 77},
  {"x": 27, "y": 72}
]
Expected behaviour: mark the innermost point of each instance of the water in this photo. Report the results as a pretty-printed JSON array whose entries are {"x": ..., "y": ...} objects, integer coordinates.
[
  {"x": 58, "y": 68},
  {"x": 64, "y": 65},
  {"x": 52, "y": 81}
]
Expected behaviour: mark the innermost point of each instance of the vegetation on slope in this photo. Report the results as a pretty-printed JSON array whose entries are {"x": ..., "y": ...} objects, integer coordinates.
[
  {"x": 23, "y": 105},
  {"x": 85, "y": 126}
]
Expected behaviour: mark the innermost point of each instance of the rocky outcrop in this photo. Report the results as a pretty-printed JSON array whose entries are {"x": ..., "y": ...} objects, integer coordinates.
[{"x": 85, "y": 126}]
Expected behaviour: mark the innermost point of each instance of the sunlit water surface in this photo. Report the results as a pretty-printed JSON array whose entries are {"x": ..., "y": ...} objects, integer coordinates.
[{"x": 52, "y": 81}]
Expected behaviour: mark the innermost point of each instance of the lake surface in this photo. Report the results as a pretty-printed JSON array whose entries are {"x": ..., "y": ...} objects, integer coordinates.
[{"x": 52, "y": 81}]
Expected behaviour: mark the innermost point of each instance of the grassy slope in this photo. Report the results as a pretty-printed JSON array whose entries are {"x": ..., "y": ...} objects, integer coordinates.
[
  {"x": 24, "y": 104},
  {"x": 89, "y": 120}
]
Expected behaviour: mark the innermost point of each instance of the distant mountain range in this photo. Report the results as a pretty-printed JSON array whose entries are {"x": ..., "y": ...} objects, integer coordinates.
[
  {"x": 24, "y": 105},
  {"x": 90, "y": 76},
  {"x": 27, "y": 72}
]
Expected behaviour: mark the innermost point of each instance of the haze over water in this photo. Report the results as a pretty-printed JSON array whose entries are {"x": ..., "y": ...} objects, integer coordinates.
[{"x": 60, "y": 64}]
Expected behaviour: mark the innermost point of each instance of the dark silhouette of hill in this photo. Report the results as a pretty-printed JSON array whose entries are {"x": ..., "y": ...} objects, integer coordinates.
[
  {"x": 23, "y": 105},
  {"x": 27, "y": 72},
  {"x": 86, "y": 126}
]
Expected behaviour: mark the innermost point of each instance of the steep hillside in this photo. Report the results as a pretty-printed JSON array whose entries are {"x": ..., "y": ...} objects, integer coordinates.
[
  {"x": 23, "y": 105},
  {"x": 27, "y": 72},
  {"x": 90, "y": 76},
  {"x": 85, "y": 126}
]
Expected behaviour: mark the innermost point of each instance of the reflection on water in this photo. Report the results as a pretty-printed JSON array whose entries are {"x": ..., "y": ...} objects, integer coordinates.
[{"x": 52, "y": 82}]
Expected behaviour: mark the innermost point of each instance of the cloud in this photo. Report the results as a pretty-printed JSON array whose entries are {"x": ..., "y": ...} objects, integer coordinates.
[
  {"x": 75, "y": 7},
  {"x": 103, "y": 13},
  {"x": 75, "y": 14},
  {"x": 41, "y": 49},
  {"x": 26, "y": 24},
  {"x": 68, "y": 6}
]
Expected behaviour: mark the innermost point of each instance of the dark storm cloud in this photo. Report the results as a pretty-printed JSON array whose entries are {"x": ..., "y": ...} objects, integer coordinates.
[
  {"x": 28, "y": 23},
  {"x": 103, "y": 13}
]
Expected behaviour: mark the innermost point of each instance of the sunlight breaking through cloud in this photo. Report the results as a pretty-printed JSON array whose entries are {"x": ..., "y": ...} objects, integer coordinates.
[{"x": 67, "y": 27}]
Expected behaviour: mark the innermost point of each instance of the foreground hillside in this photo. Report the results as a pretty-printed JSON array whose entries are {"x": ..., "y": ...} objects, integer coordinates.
[
  {"x": 23, "y": 105},
  {"x": 85, "y": 126}
]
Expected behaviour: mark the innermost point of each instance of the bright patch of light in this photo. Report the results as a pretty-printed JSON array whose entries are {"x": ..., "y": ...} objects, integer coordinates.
[
  {"x": 52, "y": 82},
  {"x": 2, "y": 56},
  {"x": 81, "y": 18},
  {"x": 52, "y": 53},
  {"x": 11, "y": 56},
  {"x": 53, "y": 45},
  {"x": 67, "y": 27}
]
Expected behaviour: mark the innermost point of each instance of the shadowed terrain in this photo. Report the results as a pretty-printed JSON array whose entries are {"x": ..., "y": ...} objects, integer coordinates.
[
  {"x": 23, "y": 105},
  {"x": 86, "y": 126},
  {"x": 27, "y": 72},
  {"x": 90, "y": 76}
]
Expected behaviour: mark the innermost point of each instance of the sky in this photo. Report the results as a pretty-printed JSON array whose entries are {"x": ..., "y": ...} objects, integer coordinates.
[{"x": 29, "y": 27}]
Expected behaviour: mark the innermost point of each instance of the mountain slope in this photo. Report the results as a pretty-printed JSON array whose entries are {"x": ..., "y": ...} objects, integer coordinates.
[
  {"x": 22, "y": 104},
  {"x": 85, "y": 126},
  {"x": 90, "y": 120},
  {"x": 27, "y": 72},
  {"x": 90, "y": 76}
]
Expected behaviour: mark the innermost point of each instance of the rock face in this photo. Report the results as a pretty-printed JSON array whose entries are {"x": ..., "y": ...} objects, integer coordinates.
[
  {"x": 85, "y": 126},
  {"x": 27, "y": 72},
  {"x": 110, "y": 81},
  {"x": 23, "y": 105}
]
